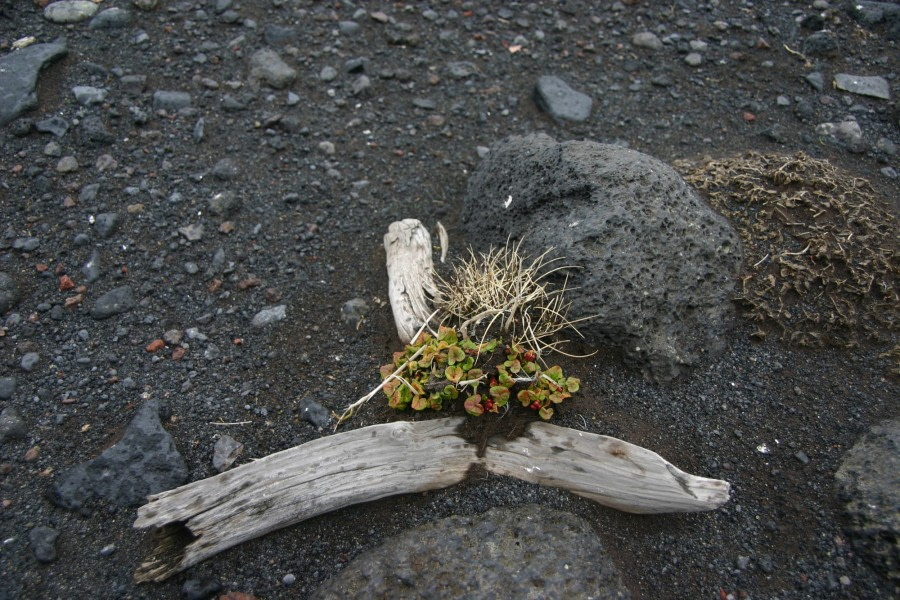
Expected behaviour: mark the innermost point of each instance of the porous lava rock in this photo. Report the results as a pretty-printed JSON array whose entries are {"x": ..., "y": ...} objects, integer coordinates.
[
  {"x": 527, "y": 551},
  {"x": 145, "y": 461},
  {"x": 869, "y": 483},
  {"x": 656, "y": 265}
]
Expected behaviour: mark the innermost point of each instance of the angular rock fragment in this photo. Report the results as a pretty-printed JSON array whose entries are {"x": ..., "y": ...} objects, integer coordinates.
[{"x": 145, "y": 461}]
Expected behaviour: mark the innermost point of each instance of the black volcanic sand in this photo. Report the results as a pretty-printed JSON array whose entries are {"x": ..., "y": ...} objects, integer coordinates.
[{"x": 320, "y": 174}]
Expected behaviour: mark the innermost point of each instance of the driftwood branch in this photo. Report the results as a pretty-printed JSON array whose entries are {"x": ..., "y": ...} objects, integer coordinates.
[
  {"x": 199, "y": 520},
  {"x": 410, "y": 275}
]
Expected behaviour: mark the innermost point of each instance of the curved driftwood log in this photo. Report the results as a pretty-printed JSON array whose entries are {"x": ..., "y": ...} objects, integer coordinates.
[
  {"x": 200, "y": 519},
  {"x": 410, "y": 275}
]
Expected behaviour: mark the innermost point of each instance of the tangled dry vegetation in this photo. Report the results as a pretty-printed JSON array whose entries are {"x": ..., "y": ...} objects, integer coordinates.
[
  {"x": 506, "y": 294},
  {"x": 821, "y": 251}
]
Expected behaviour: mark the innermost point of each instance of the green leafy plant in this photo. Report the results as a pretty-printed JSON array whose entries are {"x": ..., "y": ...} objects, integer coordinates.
[{"x": 442, "y": 368}]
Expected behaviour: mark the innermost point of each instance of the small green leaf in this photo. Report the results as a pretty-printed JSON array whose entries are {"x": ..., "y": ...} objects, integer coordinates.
[
  {"x": 573, "y": 384},
  {"x": 386, "y": 371},
  {"x": 401, "y": 398},
  {"x": 447, "y": 334},
  {"x": 530, "y": 368},
  {"x": 546, "y": 413},
  {"x": 557, "y": 397},
  {"x": 390, "y": 387},
  {"x": 450, "y": 392},
  {"x": 504, "y": 379},
  {"x": 453, "y": 374},
  {"x": 513, "y": 365},
  {"x": 526, "y": 397},
  {"x": 474, "y": 373},
  {"x": 419, "y": 402},
  {"x": 500, "y": 393},
  {"x": 555, "y": 373},
  {"x": 473, "y": 405},
  {"x": 455, "y": 355}
]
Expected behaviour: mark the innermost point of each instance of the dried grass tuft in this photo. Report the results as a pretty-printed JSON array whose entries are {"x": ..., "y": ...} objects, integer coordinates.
[{"x": 505, "y": 293}]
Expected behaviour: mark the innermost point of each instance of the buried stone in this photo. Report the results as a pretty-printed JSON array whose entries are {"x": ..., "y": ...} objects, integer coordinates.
[{"x": 654, "y": 265}]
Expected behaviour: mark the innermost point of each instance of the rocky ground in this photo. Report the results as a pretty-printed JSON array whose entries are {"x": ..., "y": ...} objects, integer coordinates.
[{"x": 201, "y": 187}]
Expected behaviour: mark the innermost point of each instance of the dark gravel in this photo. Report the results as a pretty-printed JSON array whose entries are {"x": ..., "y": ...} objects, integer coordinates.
[{"x": 372, "y": 114}]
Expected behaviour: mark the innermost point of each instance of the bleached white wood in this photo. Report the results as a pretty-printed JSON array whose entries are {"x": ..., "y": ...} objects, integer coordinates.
[
  {"x": 200, "y": 519},
  {"x": 605, "y": 469},
  {"x": 203, "y": 518},
  {"x": 410, "y": 275}
]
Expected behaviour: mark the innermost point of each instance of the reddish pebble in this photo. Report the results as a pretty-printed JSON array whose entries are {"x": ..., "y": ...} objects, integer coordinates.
[
  {"x": 214, "y": 286},
  {"x": 7, "y": 503},
  {"x": 66, "y": 283},
  {"x": 32, "y": 454},
  {"x": 178, "y": 353},
  {"x": 73, "y": 301},
  {"x": 226, "y": 227},
  {"x": 155, "y": 345},
  {"x": 41, "y": 267},
  {"x": 749, "y": 117}
]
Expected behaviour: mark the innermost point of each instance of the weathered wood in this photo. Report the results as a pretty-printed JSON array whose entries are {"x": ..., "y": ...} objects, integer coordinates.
[
  {"x": 410, "y": 275},
  {"x": 203, "y": 518},
  {"x": 198, "y": 520},
  {"x": 604, "y": 469}
]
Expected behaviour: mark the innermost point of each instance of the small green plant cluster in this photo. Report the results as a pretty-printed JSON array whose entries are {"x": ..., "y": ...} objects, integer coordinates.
[{"x": 433, "y": 370}]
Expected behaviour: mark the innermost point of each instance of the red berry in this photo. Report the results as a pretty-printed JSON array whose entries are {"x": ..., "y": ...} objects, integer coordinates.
[
  {"x": 530, "y": 356},
  {"x": 535, "y": 405}
]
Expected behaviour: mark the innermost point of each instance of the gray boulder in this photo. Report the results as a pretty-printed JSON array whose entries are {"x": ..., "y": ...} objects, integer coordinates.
[
  {"x": 526, "y": 551},
  {"x": 656, "y": 265},
  {"x": 869, "y": 483},
  {"x": 145, "y": 461},
  {"x": 18, "y": 77}
]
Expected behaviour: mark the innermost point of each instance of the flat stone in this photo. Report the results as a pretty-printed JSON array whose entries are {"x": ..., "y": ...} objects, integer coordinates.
[
  {"x": 9, "y": 292},
  {"x": 18, "y": 77},
  {"x": 877, "y": 87},
  {"x": 114, "y": 302},
  {"x": 269, "y": 315},
  {"x": 845, "y": 133},
  {"x": 266, "y": 66},
  {"x": 556, "y": 98},
  {"x": 647, "y": 39},
  {"x": 224, "y": 204},
  {"x": 91, "y": 269},
  {"x": 111, "y": 18},
  {"x": 29, "y": 361},
  {"x": 145, "y": 461},
  {"x": 70, "y": 11},
  {"x": 169, "y": 100},
  {"x": 527, "y": 551},
  {"x": 655, "y": 265},
  {"x": 225, "y": 452},
  {"x": 869, "y": 482},
  {"x": 313, "y": 412},
  {"x": 106, "y": 224},
  {"x": 12, "y": 427},
  {"x": 43, "y": 543},
  {"x": 87, "y": 95},
  {"x": 7, "y": 387}
]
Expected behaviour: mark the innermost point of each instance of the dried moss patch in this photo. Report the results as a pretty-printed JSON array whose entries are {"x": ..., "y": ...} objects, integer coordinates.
[{"x": 821, "y": 249}]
